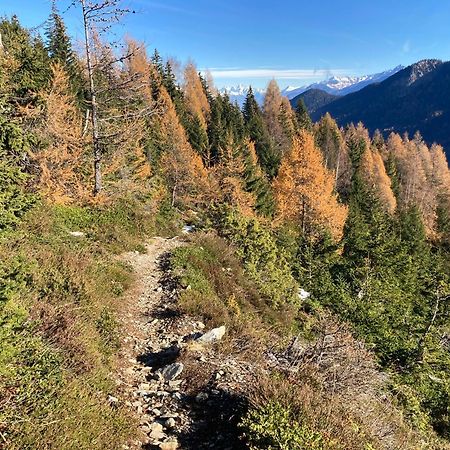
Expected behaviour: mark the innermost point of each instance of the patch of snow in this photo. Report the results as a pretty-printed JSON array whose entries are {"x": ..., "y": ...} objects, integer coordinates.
[
  {"x": 77, "y": 233},
  {"x": 188, "y": 229},
  {"x": 303, "y": 294}
]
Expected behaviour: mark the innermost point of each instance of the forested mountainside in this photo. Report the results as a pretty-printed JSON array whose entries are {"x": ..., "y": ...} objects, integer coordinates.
[
  {"x": 314, "y": 99},
  {"x": 414, "y": 99},
  {"x": 332, "y": 239}
]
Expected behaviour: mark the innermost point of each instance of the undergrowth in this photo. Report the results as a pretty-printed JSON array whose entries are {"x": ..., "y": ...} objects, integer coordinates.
[{"x": 59, "y": 298}]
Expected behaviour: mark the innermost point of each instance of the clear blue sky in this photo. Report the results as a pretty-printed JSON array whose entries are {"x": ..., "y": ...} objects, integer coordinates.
[{"x": 295, "y": 41}]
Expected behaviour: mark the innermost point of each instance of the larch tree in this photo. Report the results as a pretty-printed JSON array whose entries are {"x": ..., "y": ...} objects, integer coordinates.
[
  {"x": 304, "y": 190},
  {"x": 415, "y": 188},
  {"x": 61, "y": 156},
  {"x": 441, "y": 184},
  {"x": 374, "y": 173},
  {"x": 335, "y": 153},
  {"x": 271, "y": 113},
  {"x": 196, "y": 100},
  {"x": 98, "y": 16},
  {"x": 182, "y": 167}
]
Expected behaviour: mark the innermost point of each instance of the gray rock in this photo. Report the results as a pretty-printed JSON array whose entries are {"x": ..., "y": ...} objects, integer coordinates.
[
  {"x": 77, "y": 233},
  {"x": 170, "y": 423},
  {"x": 156, "y": 431},
  {"x": 201, "y": 397},
  {"x": 216, "y": 334},
  {"x": 169, "y": 445},
  {"x": 172, "y": 371}
]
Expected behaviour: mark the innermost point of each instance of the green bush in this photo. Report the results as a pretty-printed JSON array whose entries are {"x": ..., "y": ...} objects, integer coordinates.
[
  {"x": 14, "y": 201},
  {"x": 263, "y": 260},
  {"x": 275, "y": 427}
]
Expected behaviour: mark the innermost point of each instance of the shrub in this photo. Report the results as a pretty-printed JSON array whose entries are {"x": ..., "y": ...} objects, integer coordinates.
[
  {"x": 274, "y": 427},
  {"x": 264, "y": 262}
]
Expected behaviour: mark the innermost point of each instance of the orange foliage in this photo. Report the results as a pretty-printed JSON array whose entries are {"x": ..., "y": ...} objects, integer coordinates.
[
  {"x": 415, "y": 177},
  {"x": 272, "y": 108},
  {"x": 181, "y": 165},
  {"x": 374, "y": 172},
  {"x": 63, "y": 161},
  {"x": 138, "y": 70},
  {"x": 304, "y": 189},
  {"x": 196, "y": 99}
]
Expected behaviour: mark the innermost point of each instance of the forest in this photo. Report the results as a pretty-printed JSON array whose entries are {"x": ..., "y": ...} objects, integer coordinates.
[{"x": 127, "y": 145}]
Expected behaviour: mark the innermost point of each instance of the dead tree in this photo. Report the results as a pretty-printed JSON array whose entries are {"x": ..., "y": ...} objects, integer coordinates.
[{"x": 98, "y": 17}]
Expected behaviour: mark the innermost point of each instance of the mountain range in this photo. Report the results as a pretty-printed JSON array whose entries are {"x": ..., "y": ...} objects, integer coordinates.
[
  {"x": 416, "y": 98},
  {"x": 334, "y": 85}
]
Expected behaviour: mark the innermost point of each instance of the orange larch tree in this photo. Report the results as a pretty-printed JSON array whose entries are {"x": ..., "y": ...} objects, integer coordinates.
[
  {"x": 183, "y": 167},
  {"x": 374, "y": 173},
  {"x": 62, "y": 158},
  {"x": 196, "y": 100},
  {"x": 414, "y": 169},
  {"x": 304, "y": 190}
]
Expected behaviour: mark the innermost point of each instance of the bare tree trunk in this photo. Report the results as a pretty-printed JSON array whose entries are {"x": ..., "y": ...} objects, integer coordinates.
[
  {"x": 97, "y": 154},
  {"x": 337, "y": 169}
]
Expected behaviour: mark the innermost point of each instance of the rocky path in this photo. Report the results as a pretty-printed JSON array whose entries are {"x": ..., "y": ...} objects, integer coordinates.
[{"x": 184, "y": 395}]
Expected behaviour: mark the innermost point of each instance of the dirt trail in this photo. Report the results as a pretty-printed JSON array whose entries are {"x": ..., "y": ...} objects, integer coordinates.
[{"x": 182, "y": 399}]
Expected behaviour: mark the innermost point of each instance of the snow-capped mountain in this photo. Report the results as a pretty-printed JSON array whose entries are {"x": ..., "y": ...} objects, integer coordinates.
[
  {"x": 239, "y": 93},
  {"x": 334, "y": 85}
]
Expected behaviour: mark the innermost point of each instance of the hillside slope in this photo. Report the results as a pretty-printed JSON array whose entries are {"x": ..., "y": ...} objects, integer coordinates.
[
  {"x": 414, "y": 99},
  {"x": 314, "y": 99}
]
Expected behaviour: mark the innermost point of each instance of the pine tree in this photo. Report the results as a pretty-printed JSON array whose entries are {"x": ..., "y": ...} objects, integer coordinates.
[
  {"x": 31, "y": 61},
  {"x": 230, "y": 173},
  {"x": 60, "y": 50},
  {"x": 256, "y": 181},
  {"x": 303, "y": 118},
  {"x": 267, "y": 156}
]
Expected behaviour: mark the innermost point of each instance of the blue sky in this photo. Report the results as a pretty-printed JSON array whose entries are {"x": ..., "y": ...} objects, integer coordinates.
[{"x": 295, "y": 41}]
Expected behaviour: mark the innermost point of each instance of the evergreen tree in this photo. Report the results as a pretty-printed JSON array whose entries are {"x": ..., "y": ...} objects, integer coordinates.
[
  {"x": 60, "y": 50},
  {"x": 31, "y": 71},
  {"x": 267, "y": 156},
  {"x": 303, "y": 118}
]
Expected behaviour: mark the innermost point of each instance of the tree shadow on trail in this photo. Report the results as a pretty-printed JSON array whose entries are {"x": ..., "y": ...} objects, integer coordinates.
[{"x": 215, "y": 422}]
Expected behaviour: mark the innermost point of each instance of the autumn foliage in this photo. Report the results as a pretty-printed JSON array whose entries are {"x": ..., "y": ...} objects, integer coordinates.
[
  {"x": 374, "y": 172},
  {"x": 62, "y": 159},
  {"x": 182, "y": 167},
  {"x": 304, "y": 190}
]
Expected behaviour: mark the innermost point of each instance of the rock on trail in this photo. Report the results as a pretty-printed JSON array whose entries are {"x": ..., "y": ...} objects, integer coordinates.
[{"x": 181, "y": 398}]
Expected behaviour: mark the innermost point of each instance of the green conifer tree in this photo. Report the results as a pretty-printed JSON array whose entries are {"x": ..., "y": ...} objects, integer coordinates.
[
  {"x": 303, "y": 118},
  {"x": 267, "y": 156},
  {"x": 60, "y": 50}
]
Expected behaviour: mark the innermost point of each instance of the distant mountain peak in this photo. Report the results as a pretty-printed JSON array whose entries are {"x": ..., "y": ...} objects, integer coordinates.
[
  {"x": 335, "y": 85},
  {"x": 421, "y": 68}
]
